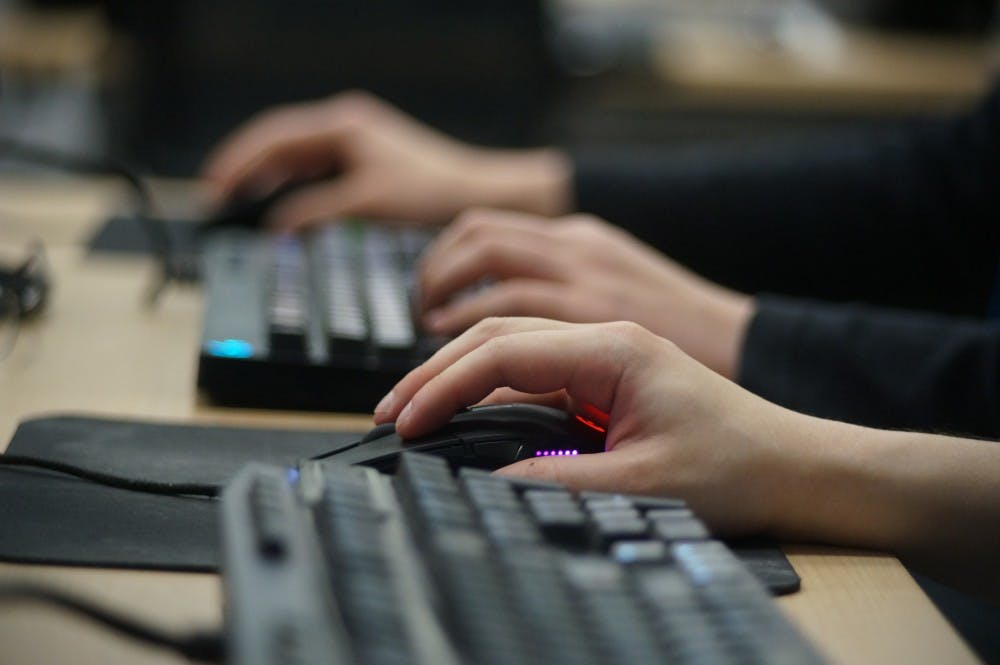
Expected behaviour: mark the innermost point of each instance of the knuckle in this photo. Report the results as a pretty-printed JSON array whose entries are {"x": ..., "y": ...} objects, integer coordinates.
[
  {"x": 524, "y": 296},
  {"x": 354, "y": 110},
  {"x": 495, "y": 347},
  {"x": 627, "y": 338},
  {"x": 488, "y": 252},
  {"x": 584, "y": 223},
  {"x": 355, "y": 101},
  {"x": 490, "y": 327},
  {"x": 519, "y": 292},
  {"x": 472, "y": 221},
  {"x": 630, "y": 331}
]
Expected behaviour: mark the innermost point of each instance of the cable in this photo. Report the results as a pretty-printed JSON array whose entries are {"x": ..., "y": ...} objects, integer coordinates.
[
  {"x": 204, "y": 646},
  {"x": 155, "y": 229},
  {"x": 148, "y": 486}
]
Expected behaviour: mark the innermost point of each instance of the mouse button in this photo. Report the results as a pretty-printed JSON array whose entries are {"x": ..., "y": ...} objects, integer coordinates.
[{"x": 379, "y": 431}]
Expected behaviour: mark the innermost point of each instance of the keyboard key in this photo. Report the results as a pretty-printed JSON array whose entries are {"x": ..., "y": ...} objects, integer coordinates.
[
  {"x": 288, "y": 310},
  {"x": 640, "y": 551},
  {"x": 640, "y": 502},
  {"x": 679, "y": 529},
  {"x": 270, "y": 515},
  {"x": 388, "y": 305},
  {"x": 346, "y": 324},
  {"x": 610, "y": 528}
]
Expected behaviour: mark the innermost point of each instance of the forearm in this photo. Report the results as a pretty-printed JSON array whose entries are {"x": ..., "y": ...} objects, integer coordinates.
[{"x": 932, "y": 500}]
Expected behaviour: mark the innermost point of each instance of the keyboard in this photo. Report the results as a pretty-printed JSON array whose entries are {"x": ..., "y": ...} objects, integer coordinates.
[
  {"x": 331, "y": 563},
  {"x": 316, "y": 321}
]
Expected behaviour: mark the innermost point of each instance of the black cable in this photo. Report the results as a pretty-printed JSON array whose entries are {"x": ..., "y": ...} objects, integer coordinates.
[
  {"x": 111, "y": 480},
  {"x": 155, "y": 229},
  {"x": 204, "y": 646}
]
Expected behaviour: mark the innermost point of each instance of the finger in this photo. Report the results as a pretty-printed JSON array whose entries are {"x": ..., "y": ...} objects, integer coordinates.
[
  {"x": 479, "y": 222},
  {"x": 481, "y": 258},
  {"x": 344, "y": 196},
  {"x": 514, "y": 297},
  {"x": 390, "y": 406},
  {"x": 581, "y": 360},
  {"x": 239, "y": 156}
]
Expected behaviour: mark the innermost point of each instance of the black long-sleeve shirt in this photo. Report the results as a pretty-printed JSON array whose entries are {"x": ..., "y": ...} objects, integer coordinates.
[{"x": 897, "y": 232}]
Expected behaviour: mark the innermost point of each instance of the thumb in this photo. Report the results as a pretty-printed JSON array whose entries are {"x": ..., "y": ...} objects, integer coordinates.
[{"x": 594, "y": 472}]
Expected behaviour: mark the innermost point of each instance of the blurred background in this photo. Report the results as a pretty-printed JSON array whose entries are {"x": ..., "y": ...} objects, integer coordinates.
[{"x": 159, "y": 81}]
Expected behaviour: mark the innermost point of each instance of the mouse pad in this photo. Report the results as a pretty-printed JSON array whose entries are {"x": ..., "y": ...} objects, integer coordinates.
[{"x": 47, "y": 517}]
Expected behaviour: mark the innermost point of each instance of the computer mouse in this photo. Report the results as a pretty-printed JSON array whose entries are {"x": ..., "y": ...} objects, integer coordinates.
[
  {"x": 484, "y": 437},
  {"x": 248, "y": 211}
]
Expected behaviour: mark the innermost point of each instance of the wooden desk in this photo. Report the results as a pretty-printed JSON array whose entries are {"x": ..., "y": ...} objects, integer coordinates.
[
  {"x": 863, "y": 70},
  {"x": 749, "y": 56},
  {"x": 97, "y": 350}
]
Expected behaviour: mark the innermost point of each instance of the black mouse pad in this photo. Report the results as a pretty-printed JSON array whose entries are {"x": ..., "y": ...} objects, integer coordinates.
[
  {"x": 51, "y": 519},
  {"x": 47, "y": 517}
]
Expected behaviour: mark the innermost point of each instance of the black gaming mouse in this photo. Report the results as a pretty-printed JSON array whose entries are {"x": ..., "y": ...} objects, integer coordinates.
[{"x": 484, "y": 437}]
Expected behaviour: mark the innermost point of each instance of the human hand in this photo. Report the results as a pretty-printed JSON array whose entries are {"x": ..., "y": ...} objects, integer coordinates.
[
  {"x": 744, "y": 465},
  {"x": 674, "y": 428},
  {"x": 380, "y": 162},
  {"x": 580, "y": 269}
]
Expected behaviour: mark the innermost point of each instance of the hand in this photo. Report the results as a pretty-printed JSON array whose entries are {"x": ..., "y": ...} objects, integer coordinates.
[
  {"x": 743, "y": 464},
  {"x": 581, "y": 269},
  {"x": 387, "y": 165},
  {"x": 674, "y": 427}
]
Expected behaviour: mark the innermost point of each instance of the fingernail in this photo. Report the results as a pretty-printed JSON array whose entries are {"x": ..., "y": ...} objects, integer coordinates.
[{"x": 384, "y": 407}]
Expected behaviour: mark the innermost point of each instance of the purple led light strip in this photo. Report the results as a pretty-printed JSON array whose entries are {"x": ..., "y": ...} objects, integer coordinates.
[{"x": 556, "y": 453}]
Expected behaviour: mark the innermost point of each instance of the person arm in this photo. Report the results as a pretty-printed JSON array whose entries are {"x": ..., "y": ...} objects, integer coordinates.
[
  {"x": 745, "y": 465},
  {"x": 875, "y": 366}
]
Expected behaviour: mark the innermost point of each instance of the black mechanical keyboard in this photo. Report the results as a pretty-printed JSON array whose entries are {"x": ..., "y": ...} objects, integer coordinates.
[
  {"x": 331, "y": 563},
  {"x": 318, "y": 321}
]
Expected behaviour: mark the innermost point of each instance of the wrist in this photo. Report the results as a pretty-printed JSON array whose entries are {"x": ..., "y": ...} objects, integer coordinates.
[
  {"x": 537, "y": 181},
  {"x": 833, "y": 485},
  {"x": 728, "y": 319}
]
